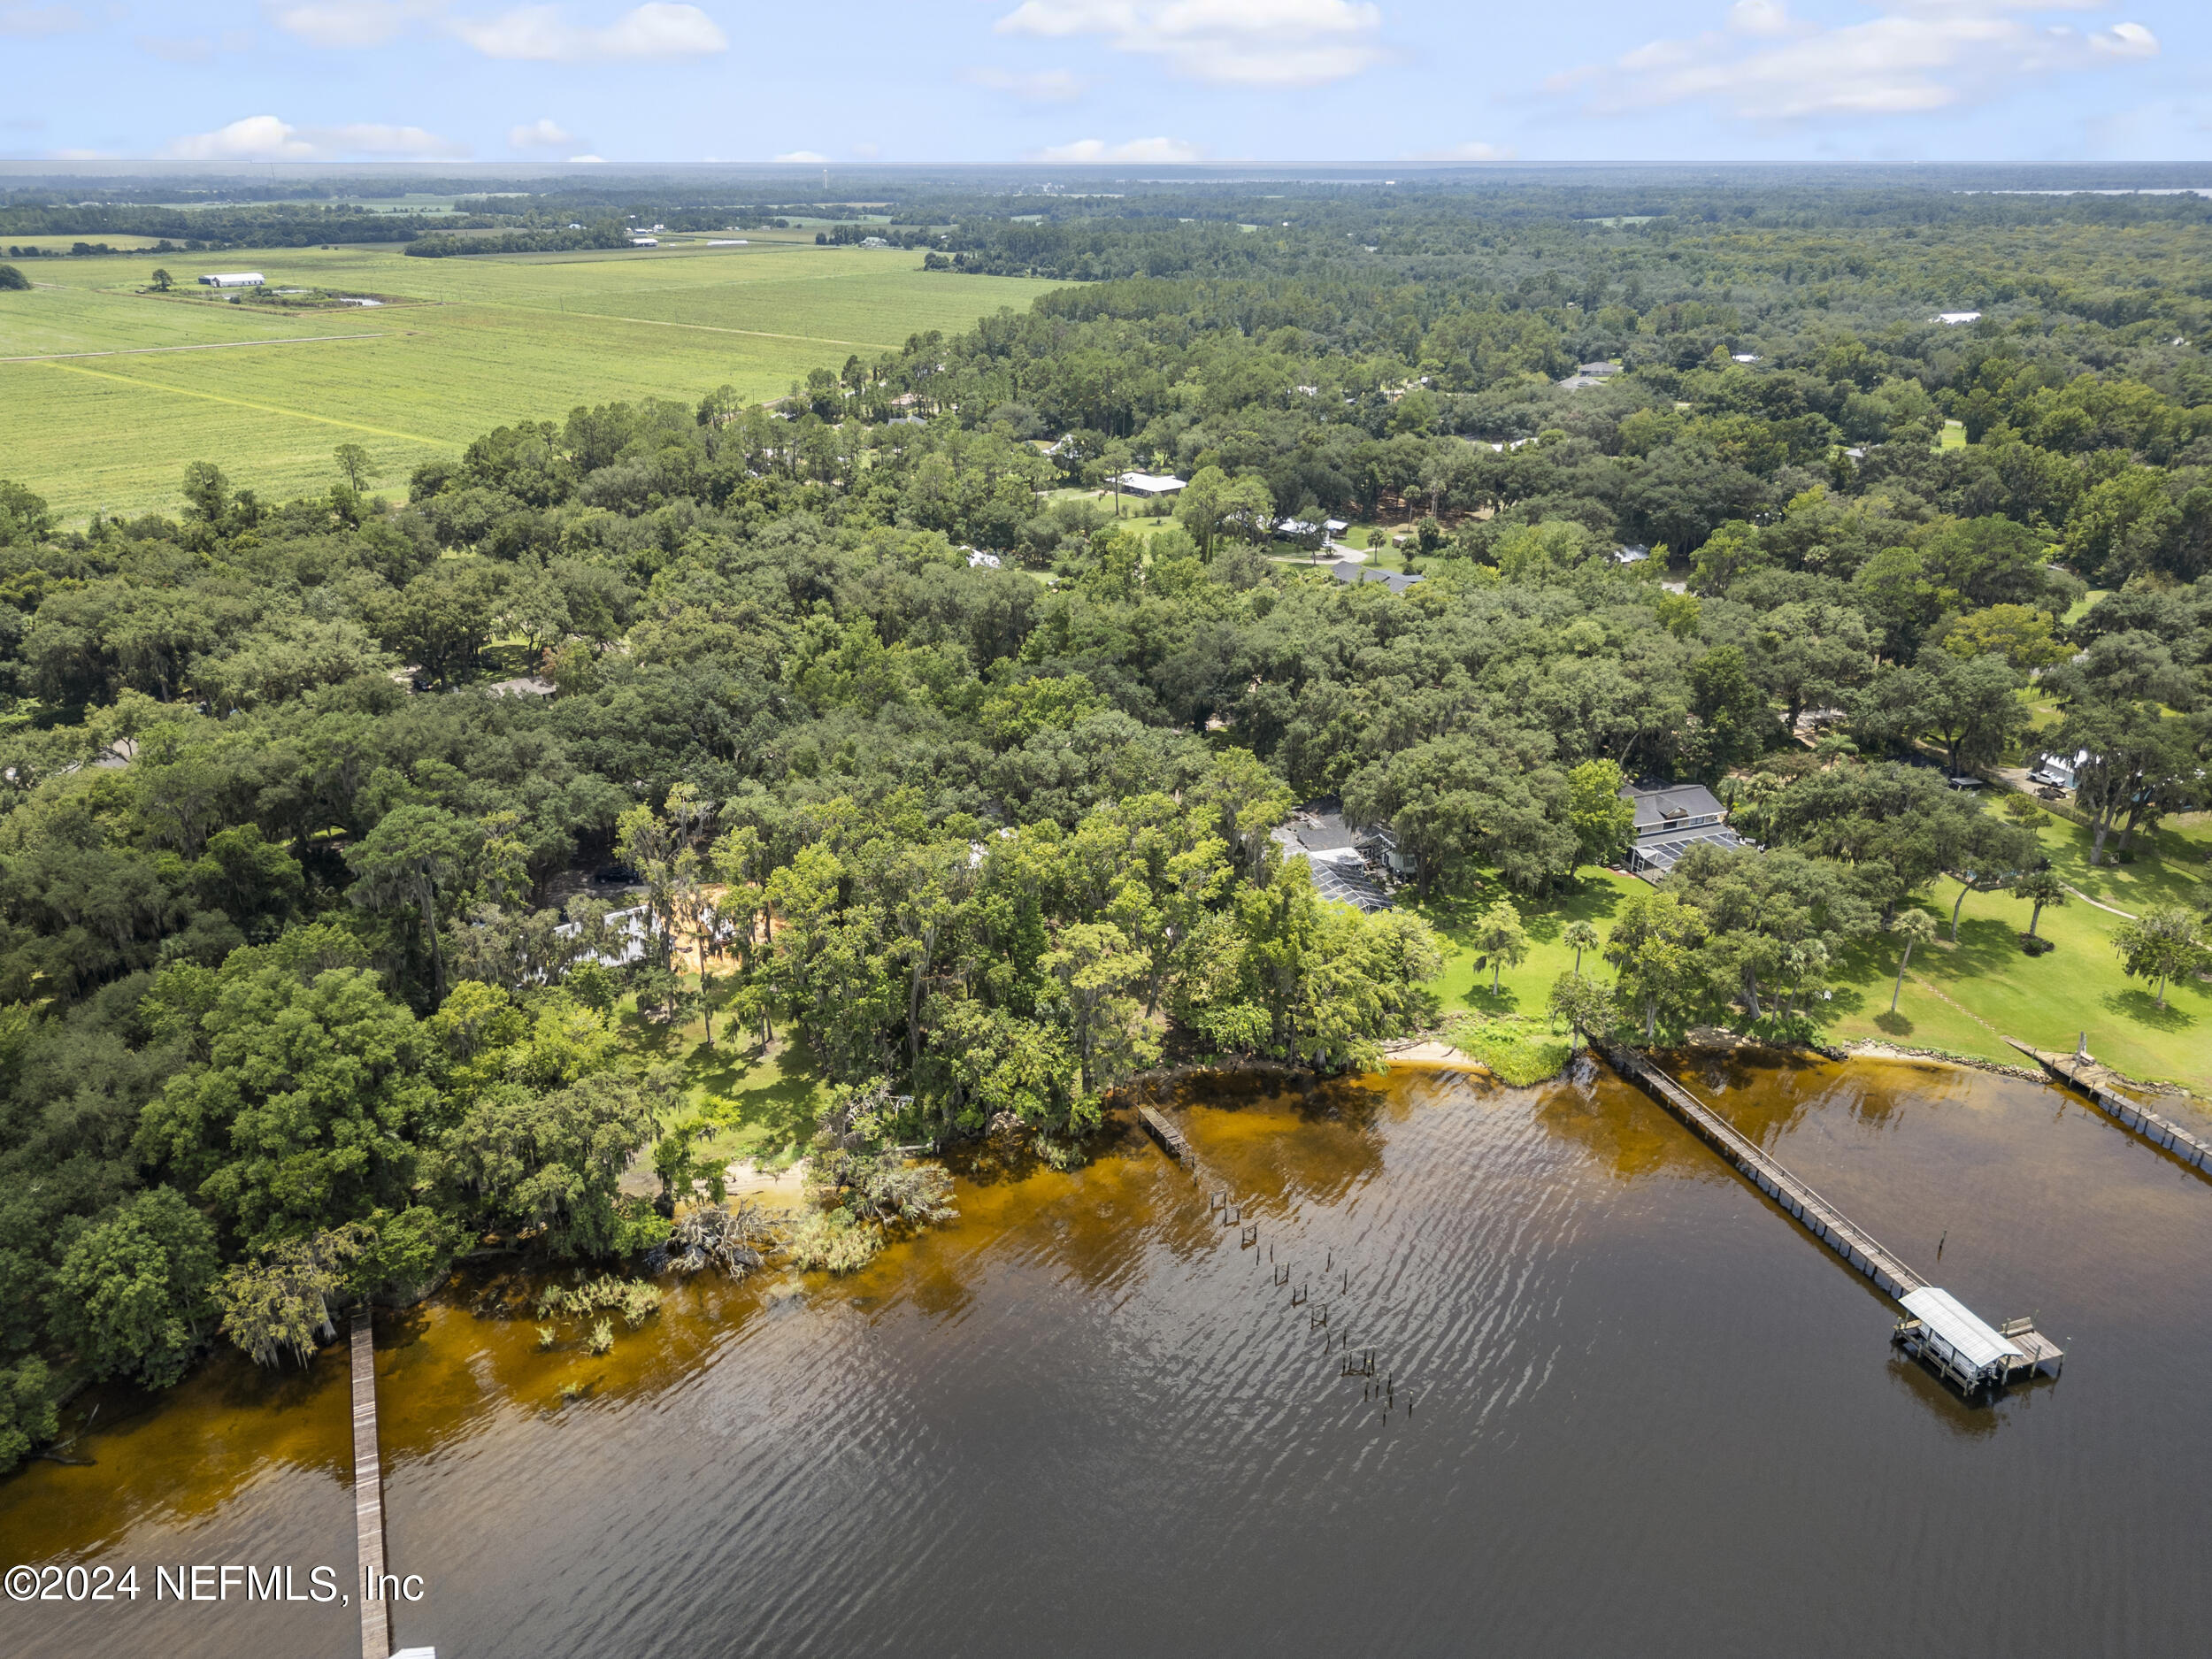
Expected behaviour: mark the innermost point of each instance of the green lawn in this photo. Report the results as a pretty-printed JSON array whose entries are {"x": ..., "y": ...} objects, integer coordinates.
[
  {"x": 763, "y": 1106},
  {"x": 489, "y": 341},
  {"x": 1966, "y": 998},
  {"x": 1509, "y": 1030},
  {"x": 1521, "y": 990}
]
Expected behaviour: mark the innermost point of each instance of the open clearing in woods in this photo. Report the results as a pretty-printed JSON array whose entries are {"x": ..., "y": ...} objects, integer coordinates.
[
  {"x": 1963, "y": 999},
  {"x": 493, "y": 340}
]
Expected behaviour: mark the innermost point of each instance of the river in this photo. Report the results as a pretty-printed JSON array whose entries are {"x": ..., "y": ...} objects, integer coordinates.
[{"x": 1629, "y": 1409}]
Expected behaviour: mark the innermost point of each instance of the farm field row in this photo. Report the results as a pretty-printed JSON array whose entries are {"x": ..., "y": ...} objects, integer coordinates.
[{"x": 501, "y": 340}]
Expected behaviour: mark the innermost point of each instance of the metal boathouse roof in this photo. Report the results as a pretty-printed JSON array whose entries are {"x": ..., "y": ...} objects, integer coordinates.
[{"x": 1974, "y": 1342}]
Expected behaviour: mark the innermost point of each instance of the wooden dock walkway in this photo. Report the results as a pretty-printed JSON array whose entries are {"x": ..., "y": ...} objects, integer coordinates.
[
  {"x": 2160, "y": 1132},
  {"x": 368, "y": 1495},
  {"x": 1167, "y": 1134},
  {"x": 1818, "y": 1217}
]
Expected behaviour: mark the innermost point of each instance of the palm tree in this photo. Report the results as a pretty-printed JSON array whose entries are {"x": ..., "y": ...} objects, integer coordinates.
[
  {"x": 1916, "y": 927},
  {"x": 1501, "y": 940},
  {"x": 2044, "y": 886},
  {"x": 1581, "y": 936}
]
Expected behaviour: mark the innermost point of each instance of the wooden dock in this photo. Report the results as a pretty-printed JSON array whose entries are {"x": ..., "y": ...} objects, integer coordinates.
[
  {"x": 2012, "y": 1349},
  {"x": 1818, "y": 1217},
  {"x": 1167, "y": 1134},
  {"x": 368, "y": 1497},
  {"x": 2082, "y": 1075}
]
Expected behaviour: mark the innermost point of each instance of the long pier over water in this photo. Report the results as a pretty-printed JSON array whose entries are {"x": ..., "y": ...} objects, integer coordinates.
[
  {"x": 368, "y": 1495},
  {"x": 1938, "y": 1330},
  {"x": 1820, "y": 1218}
]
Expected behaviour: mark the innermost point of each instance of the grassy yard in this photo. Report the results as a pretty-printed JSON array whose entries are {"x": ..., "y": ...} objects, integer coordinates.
[
  {"x": 763, "y": 1106},
  {"x": 1509, "y": 1029},
  {"x": 1970, "y": 996},
  {"x": 1966, "y": 998},
  {"x": 488, "y": 340}
]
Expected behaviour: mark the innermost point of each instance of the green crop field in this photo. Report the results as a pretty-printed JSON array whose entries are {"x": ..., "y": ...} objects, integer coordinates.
[{"x": 106, "y": 393}]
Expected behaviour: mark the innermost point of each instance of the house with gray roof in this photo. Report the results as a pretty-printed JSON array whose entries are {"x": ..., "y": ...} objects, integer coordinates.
[
  {"x": 1671, "y": 818},
  {"x": 1398, "y": 581}
]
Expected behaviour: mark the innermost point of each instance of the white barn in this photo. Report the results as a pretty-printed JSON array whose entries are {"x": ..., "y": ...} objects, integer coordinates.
[
  {"x": 1148, "y": 484},
  {"x": 234, "y": 279}
]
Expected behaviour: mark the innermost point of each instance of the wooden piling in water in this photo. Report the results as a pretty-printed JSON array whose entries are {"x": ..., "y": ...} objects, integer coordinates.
[{"x": 368, "y": 1495}]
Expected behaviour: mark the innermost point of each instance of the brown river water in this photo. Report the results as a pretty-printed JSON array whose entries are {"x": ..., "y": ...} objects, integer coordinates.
[{"x": 1630, "y": 1409}]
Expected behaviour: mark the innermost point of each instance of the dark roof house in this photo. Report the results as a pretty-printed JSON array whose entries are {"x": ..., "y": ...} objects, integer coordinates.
[
  {"x": 1671, "y": 818},
  {"x": 1398, "y": 581}
]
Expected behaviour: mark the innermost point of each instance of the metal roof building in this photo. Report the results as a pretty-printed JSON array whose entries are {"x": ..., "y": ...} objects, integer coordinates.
[
  {"x": 1958, "y": 1342},
  {"x": 1397, "y": 581},
  {"x": 1149, "y": 483}
]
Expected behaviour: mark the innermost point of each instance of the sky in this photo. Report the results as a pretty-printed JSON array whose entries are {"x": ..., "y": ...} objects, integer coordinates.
[{"x": 1117, "y": 83}]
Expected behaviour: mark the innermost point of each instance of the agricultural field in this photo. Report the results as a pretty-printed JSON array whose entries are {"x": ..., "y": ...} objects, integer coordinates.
[{"x": 106, "y": 393}]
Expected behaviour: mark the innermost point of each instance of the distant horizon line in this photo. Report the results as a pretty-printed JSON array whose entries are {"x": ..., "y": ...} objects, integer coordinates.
[{"x": 1155, "y": 172}]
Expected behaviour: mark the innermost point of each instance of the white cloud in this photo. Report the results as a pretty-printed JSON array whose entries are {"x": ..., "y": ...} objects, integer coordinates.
[
  {"x": 1234, "y": 43},
  {"x": 806, "y": 156},
  {"x": 37, "y": 20},
  {"x": 256, "y": 138},
  {"x": 1141, "y": 151},
  {"x": 542, "y": 33},
  {"x": 268, "y": 138},
  {"x": 543, "y": 133},
  {"x": 1759, "y": 17},
  {"x": 369, "y": 138},
  {"x": 1471, "y": 151},
  {"x": 1919, "y": 56},
  {"x": 348, "y": 24},
  {"x": 1042, "y": 86}
]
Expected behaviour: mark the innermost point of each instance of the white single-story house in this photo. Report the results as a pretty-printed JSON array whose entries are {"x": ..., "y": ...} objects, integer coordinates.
[
  {"x": 978, "y": 560},
  {"x": 873, "y": 242},
  {"x": 1743, "y": 357},
  {"x": 645, "y": 241},
  {"x": 1148, "y": 484},
  {"x": 234, "y": 279},
  {"x": 1954, "y": 319}
]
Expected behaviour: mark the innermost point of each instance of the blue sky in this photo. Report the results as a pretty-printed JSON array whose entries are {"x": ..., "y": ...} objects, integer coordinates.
[{"x": 1119, "y": 81}]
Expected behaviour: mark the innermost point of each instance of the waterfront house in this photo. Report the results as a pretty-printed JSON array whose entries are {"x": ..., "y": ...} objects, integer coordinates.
[{"x": 1671, "y": 818}]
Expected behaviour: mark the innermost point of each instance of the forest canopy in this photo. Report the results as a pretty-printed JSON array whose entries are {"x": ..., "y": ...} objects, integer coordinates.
[{"x": 308, "y": 980}]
